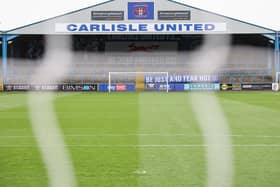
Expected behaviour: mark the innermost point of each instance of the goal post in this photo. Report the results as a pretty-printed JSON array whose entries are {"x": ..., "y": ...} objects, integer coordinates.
[
  {"x": 134, "y": 76},
  {"x": 277, "y": 77},
  {"x": 275, "y": 85}
]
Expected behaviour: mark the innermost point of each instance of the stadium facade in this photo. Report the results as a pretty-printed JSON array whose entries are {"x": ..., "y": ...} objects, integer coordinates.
[{"x": 165, "y": 31}]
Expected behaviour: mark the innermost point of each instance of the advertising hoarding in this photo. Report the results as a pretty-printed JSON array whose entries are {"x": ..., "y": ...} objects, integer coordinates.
[
  {"x": 50, "y": 87},
  {"x": 182, "y": 78},
  {"x": 116, "y": 87},
  {"x": 257, "y": 87},
  {"x": 230, "y": 87},
  {"x": 202, "y": 87}
]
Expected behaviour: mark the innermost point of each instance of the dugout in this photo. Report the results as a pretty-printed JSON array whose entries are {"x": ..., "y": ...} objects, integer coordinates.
[{"x": 127, "y": 35}]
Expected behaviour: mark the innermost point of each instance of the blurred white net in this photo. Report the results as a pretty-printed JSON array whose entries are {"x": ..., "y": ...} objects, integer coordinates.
[{"x": 43, "y": 117}]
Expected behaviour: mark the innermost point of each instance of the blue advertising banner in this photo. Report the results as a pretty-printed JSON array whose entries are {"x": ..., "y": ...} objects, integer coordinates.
[
  {"x": 116, "y": 87},
  {"x": 202, "y": 87},
  {"x": 149, "y": 87},
  {"x": 182, "y": 78},
  {"x": 162, "y": 87},
  {"x": 103, "y": 87},
  {"x": 140, "y": 10},
  {"x": 130, "y": 87},
  {"x": 179, "y": 87}
]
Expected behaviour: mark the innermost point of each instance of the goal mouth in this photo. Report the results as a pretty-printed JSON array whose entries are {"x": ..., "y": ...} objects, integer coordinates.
[{"x": 137, "y": 81}]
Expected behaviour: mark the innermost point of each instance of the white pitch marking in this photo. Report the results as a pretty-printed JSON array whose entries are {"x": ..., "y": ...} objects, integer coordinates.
[
  {"x": 140, "y": 172},
  {"x": 151, "y": 146},
  {"x": 127, "y": 135}
]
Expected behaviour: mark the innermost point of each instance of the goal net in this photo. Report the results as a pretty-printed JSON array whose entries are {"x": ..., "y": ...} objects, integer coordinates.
[{"x": 138, "y": 81}]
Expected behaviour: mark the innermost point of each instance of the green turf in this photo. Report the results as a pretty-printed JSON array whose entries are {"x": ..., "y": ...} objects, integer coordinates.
[{"x": 105, "y": 134}]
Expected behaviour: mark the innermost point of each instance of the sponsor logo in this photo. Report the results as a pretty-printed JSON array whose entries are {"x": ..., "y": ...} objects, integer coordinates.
[
  {"x": 174, "y": 15},
  {"x": 116, "y": 87},
  {"x": 140, "y": 10},
  {"x": 202, "y": 87},
  {"x": 107, "y": 15},
  {"x": 77, "y": 87},
  {"x": 21, "y": 87},
  {"x": 112, "y": 88},
  {"x": 50, "y": 87},
  {"x": 230, "y": 87},
  {"x": 68, "y": 87},
  {"x": 86, "y": 88},
  {"x": 236, "y": 87},
  {"x": 225, "y": 87},
  {"x": 247, "y": 86},
  {"x": 257, "y": 87},
  {"x": 150, "y": 86},
  {"x": 42, "y": 87},
  {"x": 133, "y": 48},
  {"x": 121, "y": 87},
  {"x": 182, "y": 78},
  {"x": 17, "y": 87},
  {"x": 8, "y": 88}
]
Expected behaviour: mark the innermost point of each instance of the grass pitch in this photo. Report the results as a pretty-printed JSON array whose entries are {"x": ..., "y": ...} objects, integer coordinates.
[{"x": 137, "y": 139}]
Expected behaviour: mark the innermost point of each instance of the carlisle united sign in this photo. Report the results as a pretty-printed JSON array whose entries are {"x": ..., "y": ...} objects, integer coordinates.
[{"x": 139, "y": 27}]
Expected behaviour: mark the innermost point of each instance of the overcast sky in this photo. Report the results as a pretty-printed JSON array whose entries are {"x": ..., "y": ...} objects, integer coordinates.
[{"x": 16, "y": 13}]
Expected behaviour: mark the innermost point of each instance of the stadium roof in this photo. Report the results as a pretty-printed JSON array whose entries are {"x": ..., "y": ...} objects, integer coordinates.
[
  {"x": 259, "y": 13},
  {"x": 262, "y": 13}
]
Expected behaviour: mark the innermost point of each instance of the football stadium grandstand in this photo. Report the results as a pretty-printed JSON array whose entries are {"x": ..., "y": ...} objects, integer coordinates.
[
  {"x": 100, "y": 54},
  {"x": 219, "y": 126},
  {"x": 166, "y": 43}
]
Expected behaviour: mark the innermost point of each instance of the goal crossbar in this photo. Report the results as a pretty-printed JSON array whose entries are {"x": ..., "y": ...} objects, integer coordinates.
[{"x": 137, "y": 72}]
